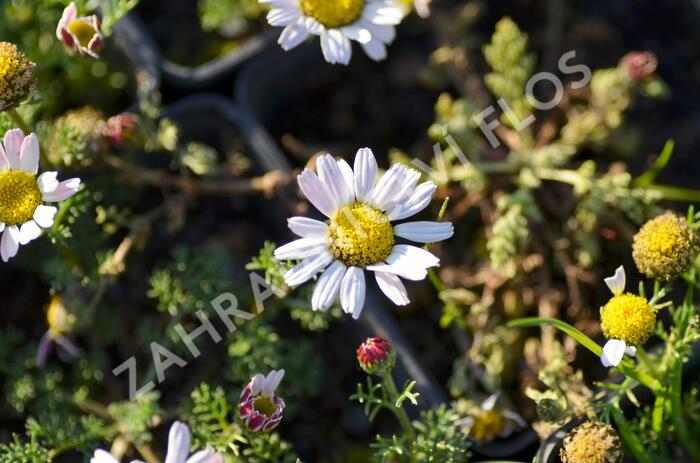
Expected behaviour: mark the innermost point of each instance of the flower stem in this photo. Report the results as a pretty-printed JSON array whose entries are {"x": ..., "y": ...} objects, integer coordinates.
[{"x": 399, "y": 411}]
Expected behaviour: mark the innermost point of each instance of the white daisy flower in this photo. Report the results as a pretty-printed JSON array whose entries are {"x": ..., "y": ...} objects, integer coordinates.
[
  {"x": 487, "y": 421},
  {"x": 369, "y": 22},
  {"x": 178, "y": 449},
  {"x": 627, "y": 321},
  {"x": 359, "y": 235},
  {"x": 22, "y": 195}
]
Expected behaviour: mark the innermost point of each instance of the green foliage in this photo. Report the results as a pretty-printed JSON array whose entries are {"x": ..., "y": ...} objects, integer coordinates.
[
  {"x": 218, "y": 14},
  {"x": 137, "y": 417}
]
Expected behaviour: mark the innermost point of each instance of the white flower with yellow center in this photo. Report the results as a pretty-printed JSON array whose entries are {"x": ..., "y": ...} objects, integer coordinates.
[
  {"x": 359, "y": 235},
  {"x": 22, "y": 195},
  {"x": 369, "y": 22}
]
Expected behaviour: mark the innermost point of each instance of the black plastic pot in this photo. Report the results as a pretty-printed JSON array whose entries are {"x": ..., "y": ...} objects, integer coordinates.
[
  {"x": 131, "y": 34},
  {"x": 550, "y": 447}
]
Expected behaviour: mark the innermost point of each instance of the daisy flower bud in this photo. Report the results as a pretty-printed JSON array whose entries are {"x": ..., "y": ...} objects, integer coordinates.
[
  {"x": 80, "y": 33},
  {"x": 592, "y": 443},
  {"x": 260, "y": 407},
  {"x": 664, "y": 247},
  {"x": 121, "y": 128},
  {"x": 376, "y": 356},
  {"x": 627, "y": 321},
  {"x": 78, "y": 137},
  {"x": 640, "y": 64},
  {"x": 16, "y": 76}
]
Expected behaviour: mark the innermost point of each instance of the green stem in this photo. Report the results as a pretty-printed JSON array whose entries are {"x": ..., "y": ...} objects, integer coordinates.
[
  {"x": 679, "y": 424},
  {"x": 630, "y": 438},
  {"x": 676, "y": 193},
  {"x": 399, "y": 411}
]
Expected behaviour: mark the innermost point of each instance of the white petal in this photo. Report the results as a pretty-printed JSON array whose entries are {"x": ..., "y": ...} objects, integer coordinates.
[
  {"x": 63, "y": 191},
  {"x": 313, "y": 26},
  {"x": 349, "y": 179},
  {"x": 375, "y": 49},
  {"x": 178, "y": 443},
  {"x": 613, "y": 351},
  {"x": 28, "y": 232},
  {"x": 2, "y": 227},
  {"x": 409, "y": 262},
  {"x": 490, "y": 402},
  {"x": 301, "y": 249},
  {"x": 48, "y": 182},
  {"x": 207, "y": 455},
  {"x": 13, "y": 144},
  {"x": 44, "y": 215},
  {"x": 419, "y": 200},
  {"x": 29, "y": 154},
  {"x": 396, "y": 185},
  {"x": 4, "y": 163},
  {"x": 408, "y": 187},
  {"x": 316, "y": 192},
  {"x": 282, "y": 16},
  {"x": 9, "y": 244},
  {"x": 424, "y": 232},
  {"x": 616, "y": 283},
  {"x": 101, "y": 456},
  {"x": 352, "y": 292},
  {"x": 307, "y": 228},
  {"x": 256, "y": 383},
  {"x": 271, "y": 382},
  {"x": 330, "y": 174},
  {"x": 292, "y": 36},
  {"x": 365, "y": 173},
  {"x": 631, "y": 351},
  {"x": 384, "y": 34},
  {"x": 327, "y": 287},
  {"x": 357, "y": 32},
  {"x": 383, "y": 12},
  {"x": 303, "y": 272},
  {"x": 336, "y": 47},
  {"x": 392, "y": 287}
]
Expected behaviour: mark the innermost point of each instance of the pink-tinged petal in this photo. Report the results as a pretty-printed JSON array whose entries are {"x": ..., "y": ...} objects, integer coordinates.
[
  {"x": 63, "y": 191},
  {"x": 316, "y": 192},
  {"x": 617, "y": 282},
  {"x": 352, "y": 292},
  {"x": 44, "y": 215},
  {"x": 4, "y": 163},
  {"x": 9, "y": 244},
  {"x": 255, "y": 421},
  {"x": 28, "y": 232},
  {"x": 13, "y": 144},
  {"x": 272, "y": 380},
  {"x": 613, "y": 351},
  {"x": 178, "y": 443},
  {"x": 256, "y": 384},
  {"x": 69, "y": 13},
  {"x": 44, "y": 350},
  {"x": 29, "y": 154},
  {"x": 48, "y": 182},
  {"x": 392, "y": 287}
]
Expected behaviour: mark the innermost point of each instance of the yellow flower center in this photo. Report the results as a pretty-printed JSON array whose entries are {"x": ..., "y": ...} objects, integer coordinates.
[
  {"x": 591, "y": 443},
  {"x": 264, "y": 405},
  {"x": 82, "y": 31},
  {"x": 333, "y": 13},
  {"x": 15, "y": 76},
  {"x": 60, "y": 320},
  {"x": 360, "y": 235},
  {"x": 19, "y": 197},
  {"x": 628, "y": 317},
  {"x": 488, "y": 425}
]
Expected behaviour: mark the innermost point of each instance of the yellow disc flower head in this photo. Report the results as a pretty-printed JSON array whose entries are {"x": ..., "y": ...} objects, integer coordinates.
[
  {"x": 664, "y": 247},
  {"x": 592, "y": 443},
  {"x": 16, "y": 76}
]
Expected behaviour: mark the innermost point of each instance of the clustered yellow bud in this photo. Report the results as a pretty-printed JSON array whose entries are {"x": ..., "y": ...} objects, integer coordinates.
[
  {"x": 77, "y": 137},
  {"x": 628, "y": 317},
  {"x": 592, "y": 443},
  {"x": 664, "y": 247},
  {"x": 16, "y": 76}
]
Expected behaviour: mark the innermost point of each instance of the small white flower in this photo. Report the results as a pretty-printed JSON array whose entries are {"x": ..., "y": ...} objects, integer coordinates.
[
  {"x": 359, "y": 235},
  {"x": 615, "y": 349},
  {"x": 369, "y": 22},
  {"x": 486, "y": 421},
  {"x": 178, "y": 450},
  {"x": 22, "y": 212}
]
